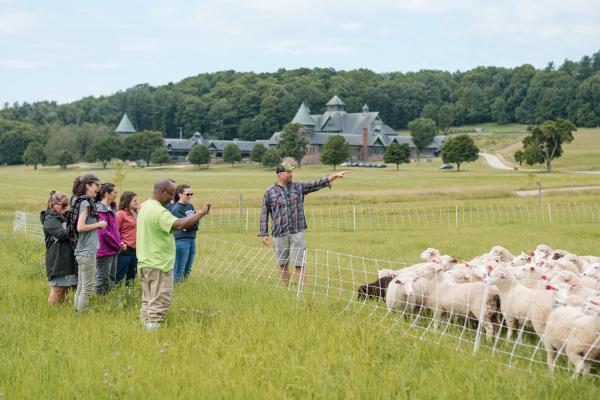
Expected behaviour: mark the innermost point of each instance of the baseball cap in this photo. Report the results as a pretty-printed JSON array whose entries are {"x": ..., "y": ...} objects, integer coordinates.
[
  {"x": 284, "y": 166},
  {"x": 90, "y": 178}
]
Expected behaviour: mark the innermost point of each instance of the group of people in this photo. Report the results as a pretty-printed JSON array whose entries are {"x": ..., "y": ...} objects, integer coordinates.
[
  {"x": 90, "y": 242},
  {"x": 92, "y": 245}
]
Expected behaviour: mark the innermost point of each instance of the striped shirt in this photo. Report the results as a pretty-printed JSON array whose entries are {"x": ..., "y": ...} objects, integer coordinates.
[{"x": 286, "y": 206}]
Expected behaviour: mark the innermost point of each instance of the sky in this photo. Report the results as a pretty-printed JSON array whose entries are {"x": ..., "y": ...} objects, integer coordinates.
[{"x": 65, "y": 50}]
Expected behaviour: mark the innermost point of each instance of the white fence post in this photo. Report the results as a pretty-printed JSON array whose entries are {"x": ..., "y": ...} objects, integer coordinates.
[
  {"x": 456, "y": 215},
  {"x": 549, "y": 213},
  {"x": 354, "y": 219},
  {"x": 247, "y": 218}
]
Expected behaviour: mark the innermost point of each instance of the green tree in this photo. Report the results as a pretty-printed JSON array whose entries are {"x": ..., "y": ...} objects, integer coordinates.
[
  {"x": 141, "y": 145},
  {"x": 34, "y": 154},
  {"x": 199, "y": 155},
  {"x": 397, "y": 154},
  {"x": 12, "y": 146},
  {"x": 59, "y": 140},
  {"x": 459, "y": 149},
  {"x": 519, "y": 157},
  {"x": 64, "y": 158},
  {"x": 160, "y": 156},
  {"x": 335, "y": 151},
  {"x": 292, "y": 144},
  {"x": 445, "y": 117},
  {"x": 232, "y": 154},
  {"x": 547, "y": 140},
  {"x": 104, "y": 149},
  {"x": 271, "y": 158},
  {"x": 258, "y": 152},
  {"x": 422, "y": 130}
]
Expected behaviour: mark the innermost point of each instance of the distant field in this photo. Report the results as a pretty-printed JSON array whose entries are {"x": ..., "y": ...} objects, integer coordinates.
[{"x": 583, "y": 153}]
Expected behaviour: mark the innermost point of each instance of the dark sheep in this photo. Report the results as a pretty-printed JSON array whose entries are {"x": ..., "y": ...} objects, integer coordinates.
[{"x": 375, "y": 290}]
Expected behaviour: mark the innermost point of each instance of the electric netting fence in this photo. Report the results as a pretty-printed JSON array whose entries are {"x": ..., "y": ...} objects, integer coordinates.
[
  {"x": 368, "y": 219},
  {"x": 430, "y": 303}
]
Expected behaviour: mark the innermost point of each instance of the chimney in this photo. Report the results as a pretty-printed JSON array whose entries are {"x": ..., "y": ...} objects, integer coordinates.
[{"x": 365, "y": 144}]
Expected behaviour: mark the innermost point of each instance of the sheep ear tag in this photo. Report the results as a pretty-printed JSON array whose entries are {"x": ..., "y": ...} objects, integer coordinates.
[
  {"x": 490, "y": 268},
  {"x": 532, "y": 269},
  {"x": 398, "y": 281}
]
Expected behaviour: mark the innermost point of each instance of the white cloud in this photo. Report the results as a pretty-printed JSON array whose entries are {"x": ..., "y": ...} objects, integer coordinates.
[
  {"x": 101, "y": 65},
  {"x": 13, "y": 23},
  {"x": 305, "y": 48},
  {"x": 352, "y": 25},
  {"x": 19, "y": 64}
]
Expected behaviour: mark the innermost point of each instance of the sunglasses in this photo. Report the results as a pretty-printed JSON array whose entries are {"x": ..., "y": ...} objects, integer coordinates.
[{"x": 188, "y": 194}]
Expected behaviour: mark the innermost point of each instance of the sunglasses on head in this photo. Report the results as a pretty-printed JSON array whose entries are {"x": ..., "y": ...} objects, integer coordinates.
[{"x": 190, "y": 194}]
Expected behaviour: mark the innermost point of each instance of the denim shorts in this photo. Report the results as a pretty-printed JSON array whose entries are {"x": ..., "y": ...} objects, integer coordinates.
[{"x": 64, "y": 281}]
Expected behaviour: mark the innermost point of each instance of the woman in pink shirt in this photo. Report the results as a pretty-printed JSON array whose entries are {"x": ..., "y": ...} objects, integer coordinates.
[{"x": 126, "y": 219}]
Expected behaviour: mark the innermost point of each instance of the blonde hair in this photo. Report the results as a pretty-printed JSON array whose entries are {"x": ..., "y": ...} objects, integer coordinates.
[{"x": 55, "y": 198}]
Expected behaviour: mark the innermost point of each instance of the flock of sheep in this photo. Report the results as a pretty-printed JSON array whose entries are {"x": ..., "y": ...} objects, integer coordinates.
[{"x": 555, "y": 292}]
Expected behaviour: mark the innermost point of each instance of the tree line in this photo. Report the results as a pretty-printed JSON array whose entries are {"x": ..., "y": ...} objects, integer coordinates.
[
  {"x": 247, "y": 105},
  {"x": 250, "y": 106}
]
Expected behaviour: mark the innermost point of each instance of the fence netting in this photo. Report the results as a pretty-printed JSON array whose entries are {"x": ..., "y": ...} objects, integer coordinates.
[{"x": 483, "y": 309}]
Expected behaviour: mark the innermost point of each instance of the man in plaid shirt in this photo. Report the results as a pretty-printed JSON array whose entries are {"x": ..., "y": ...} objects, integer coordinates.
[{"x": 284, "y": 200}]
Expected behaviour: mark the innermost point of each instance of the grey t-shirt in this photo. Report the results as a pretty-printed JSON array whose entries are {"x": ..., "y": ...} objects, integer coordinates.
[{"x": 88, "y": 241}]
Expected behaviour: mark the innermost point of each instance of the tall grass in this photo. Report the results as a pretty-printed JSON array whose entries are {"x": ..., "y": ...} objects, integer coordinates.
[{"x": 225, "y": 338}]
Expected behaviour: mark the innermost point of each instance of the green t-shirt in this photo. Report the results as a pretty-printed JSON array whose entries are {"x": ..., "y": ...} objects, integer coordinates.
[{"x": 154, "y": 236}]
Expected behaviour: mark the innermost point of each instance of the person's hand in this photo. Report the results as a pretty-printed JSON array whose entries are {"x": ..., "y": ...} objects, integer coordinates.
[
  {"x": 123, "y": 246},
  {"x": 205, "y": 210},
  {"x": 341, "y": 174},
  {"x": 265, "y": 241},
  {"x": 101, "y": 224}
]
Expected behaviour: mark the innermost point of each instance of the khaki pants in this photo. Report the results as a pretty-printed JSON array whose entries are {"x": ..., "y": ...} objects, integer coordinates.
[
  {"x": 85, "y": 280},
  {"x": 157, "y": 294}
]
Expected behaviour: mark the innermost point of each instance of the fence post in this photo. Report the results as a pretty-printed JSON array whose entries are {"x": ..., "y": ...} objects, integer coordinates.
[
  {"x": 302, "y": 273},
  {"x": 456, "y": 215},
  {"x": 241, "y": 205},
  {"x": 481, "y": 314},
  {"x": 247, "y": 218},
  {"x": 549, "y": 213},
  {"x": 354, "y": 219}
]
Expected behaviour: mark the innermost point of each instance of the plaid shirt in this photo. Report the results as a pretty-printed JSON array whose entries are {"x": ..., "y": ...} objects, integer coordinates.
[{"x": 286, "y": 206}]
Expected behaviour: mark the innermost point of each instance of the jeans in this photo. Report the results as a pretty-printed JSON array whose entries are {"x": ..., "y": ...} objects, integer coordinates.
[
  {"x": 184, "y": 258},
  {"x": 106, "y": 271},
  {"x": 126, "y": 266},
  {"x": 85, "y": 280}
]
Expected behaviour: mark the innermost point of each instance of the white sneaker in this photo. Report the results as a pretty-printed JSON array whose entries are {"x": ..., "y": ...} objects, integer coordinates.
[{"x": 151, "y": 326}]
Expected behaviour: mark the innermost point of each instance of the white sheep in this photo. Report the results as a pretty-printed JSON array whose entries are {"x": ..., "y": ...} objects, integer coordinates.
[
  {"x": 529, "y": 276},
  {"x": 502, "y": 254},
  {"x": 521, "y": 259},
  {"x": 516, "y": 301},
  {"x": 406, "y": 292},
  {"x": 542, "y": 252},
  {"x": 430, "y": 253},
  {"x": 568, "y": 283},
  {"x": 463, "y": 299},
  {"x": 575, "y": 329}
]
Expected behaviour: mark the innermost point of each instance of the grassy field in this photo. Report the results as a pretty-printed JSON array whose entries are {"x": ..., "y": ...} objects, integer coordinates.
[
  {"x": 226, "y": 338},
  {"x": 581, "y": 154}
]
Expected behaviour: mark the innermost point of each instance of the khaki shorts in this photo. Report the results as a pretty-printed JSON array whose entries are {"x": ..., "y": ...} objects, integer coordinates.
[{"x": 290, "y": 248}]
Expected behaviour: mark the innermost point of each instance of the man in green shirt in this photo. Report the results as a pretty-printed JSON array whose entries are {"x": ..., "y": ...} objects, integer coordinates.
[{"x": 156, "y": 251}]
